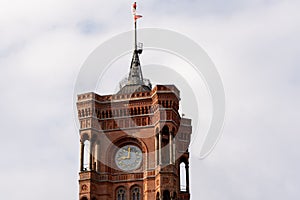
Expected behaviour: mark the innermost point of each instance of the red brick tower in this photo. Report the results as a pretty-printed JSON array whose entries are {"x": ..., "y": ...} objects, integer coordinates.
[{"x": 136, "y": 140}]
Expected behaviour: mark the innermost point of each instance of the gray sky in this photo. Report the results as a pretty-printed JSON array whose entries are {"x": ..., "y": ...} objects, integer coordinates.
[{"x": 254, "y": 45}]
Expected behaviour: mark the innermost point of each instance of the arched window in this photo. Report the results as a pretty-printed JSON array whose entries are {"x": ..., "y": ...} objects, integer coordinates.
[
  {"x": 175, "y": 196},
  {"x": 157, "y": 196},
  {"x": 136, "y": 193},
  {"x": 86, "y": 155},
  {"x": 121, "y": 194},
  {"x": 182, "y": 177},
  {"x": 135, "y": 111},
  {"x": 165, "y": 141},
  {"x": 166, "y": 195},
  {"x": 157, "y": 146}
]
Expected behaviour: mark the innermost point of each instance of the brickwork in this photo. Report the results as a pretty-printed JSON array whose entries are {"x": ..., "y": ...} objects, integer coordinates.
[{"x": 148, "y": 120}]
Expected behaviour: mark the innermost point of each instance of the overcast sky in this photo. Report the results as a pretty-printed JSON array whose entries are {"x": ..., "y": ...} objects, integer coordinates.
[{"x": 254, "y": 45}]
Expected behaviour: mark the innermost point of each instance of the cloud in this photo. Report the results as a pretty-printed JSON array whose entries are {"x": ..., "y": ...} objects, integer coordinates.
[{"x": 254, "y": 44}]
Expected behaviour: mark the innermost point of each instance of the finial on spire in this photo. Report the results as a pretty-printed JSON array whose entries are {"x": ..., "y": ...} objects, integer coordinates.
[
  {"x": 136, "y": 17},
  {"x": 135, "y": 81}
]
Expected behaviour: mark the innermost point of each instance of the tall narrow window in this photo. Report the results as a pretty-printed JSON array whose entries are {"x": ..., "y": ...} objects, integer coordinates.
[
  {"x": 165, "y": 148},
  {"x": 182, "y": 177},
  {"x": 121, "y": 194},
  {"x": 135, "y": 193},
  {"x": 135, "y": 111},
  {"x": 166, "y": 195},
  {"x": 157, "y": 143},
  {"x": 86, "y": 155},
  {"x": 157, "y": 196}
]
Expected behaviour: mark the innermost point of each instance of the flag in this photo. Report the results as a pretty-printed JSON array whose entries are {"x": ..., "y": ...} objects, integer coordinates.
[
  {"x": 134, "y": 8},
  {"x": 134, "y": 5},
  {"x": 134, "y": 12},
  {"x": 137, "y": 17}
]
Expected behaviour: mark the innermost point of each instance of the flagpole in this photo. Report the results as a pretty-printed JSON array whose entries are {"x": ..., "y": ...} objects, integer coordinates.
[
  {"x": 135, "y": 34},
  {"x": 135, "y": 18}
]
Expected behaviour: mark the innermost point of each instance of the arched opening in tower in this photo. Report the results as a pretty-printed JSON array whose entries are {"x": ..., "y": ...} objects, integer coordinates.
[
  {"x": 183, "y": 184},
  {"x": 166, "y": 195},
  {"x": 86, "y": 155},
  {"x": 165, "y": 148}
]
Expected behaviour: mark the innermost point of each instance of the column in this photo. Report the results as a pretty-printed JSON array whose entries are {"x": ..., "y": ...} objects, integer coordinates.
[
  {"x": 159, "y": 148},
  {"x": 187, "y": 176},
  {"x": 174, "y": 149},
  {"x": 81, "y": 155},
  {"x": 98, "y": 157},
  {"x": 171, "y": 147},
  {"x": 156, "y": 150},
  {"x": 95, "y": 156},
  {"x": 91, "y": 156}
]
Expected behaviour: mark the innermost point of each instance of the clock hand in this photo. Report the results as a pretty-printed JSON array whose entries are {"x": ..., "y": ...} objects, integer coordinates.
[
  {"x": 128, "y": 156},
  {"x": 122, "y": 158}
]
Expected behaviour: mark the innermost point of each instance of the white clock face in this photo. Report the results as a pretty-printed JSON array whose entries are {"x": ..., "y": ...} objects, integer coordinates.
[{"x": 129, "y": 158}]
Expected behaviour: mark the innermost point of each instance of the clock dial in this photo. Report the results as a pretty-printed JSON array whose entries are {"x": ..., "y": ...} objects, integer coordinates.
[{"x": 128, "y": 157}]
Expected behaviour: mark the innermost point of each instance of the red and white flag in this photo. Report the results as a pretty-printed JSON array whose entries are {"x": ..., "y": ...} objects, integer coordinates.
[
  {"x": 134, "y": 8},
  {"x": 134, "y": 12},
  {"x": 137, "y": 17}
]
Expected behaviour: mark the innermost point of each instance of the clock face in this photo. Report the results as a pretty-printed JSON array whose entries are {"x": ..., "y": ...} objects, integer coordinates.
[{"x": 128, "y": 157}]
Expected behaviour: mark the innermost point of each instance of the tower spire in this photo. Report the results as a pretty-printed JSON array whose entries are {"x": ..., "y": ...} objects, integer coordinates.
[
  {"x": 135, "y": 80},
  {"x": 135, "y": 74}
]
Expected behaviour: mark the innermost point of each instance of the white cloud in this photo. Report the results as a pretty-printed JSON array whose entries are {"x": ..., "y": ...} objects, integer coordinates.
[{"x": 254, "y": 46}]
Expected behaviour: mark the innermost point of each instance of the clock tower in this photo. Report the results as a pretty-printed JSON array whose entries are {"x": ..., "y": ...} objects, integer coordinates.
[{"x": 134, "y": 144}]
